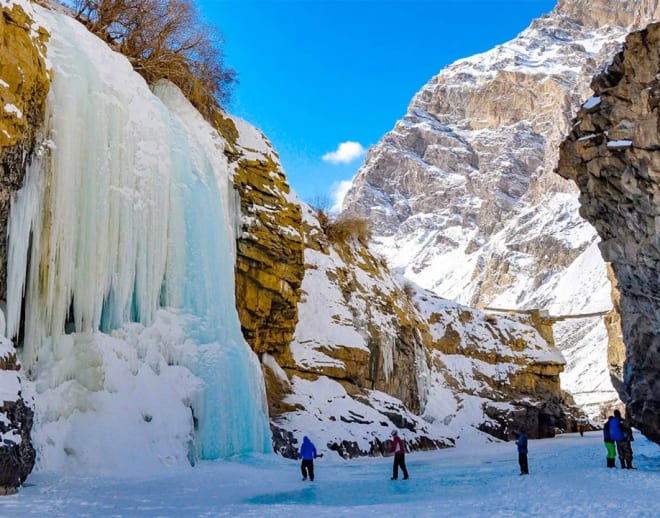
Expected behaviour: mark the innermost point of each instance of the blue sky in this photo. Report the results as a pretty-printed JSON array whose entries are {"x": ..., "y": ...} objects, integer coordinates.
[{"x": 317, "y": 73}]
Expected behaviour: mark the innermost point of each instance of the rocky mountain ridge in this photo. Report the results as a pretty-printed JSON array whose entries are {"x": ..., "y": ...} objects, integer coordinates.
[{"x": 462, "y": 194}]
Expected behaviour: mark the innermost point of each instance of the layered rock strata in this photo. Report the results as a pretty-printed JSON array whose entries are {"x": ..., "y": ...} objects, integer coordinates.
[
  {"x": 356, "y": 354},
  {"x": 270, "y": 247},
  {"x": 504, "y": 363},
  {"x": 613, "y": 155}
]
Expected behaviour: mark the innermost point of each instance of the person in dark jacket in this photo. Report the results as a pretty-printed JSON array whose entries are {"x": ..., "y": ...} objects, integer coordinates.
[
  {"x": 609, "y": 444},
  {"x": 521, "y": 443},
  {"x": 307, "y": 454},
  {"x": 399, "y": 451},
  {"x": 621, "y": 433}
]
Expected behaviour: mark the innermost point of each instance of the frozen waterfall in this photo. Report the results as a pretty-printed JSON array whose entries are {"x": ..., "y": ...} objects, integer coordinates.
[{"x": 126, "y": 219}]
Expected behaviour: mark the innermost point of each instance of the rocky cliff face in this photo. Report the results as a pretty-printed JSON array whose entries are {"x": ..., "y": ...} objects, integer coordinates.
[
  {"x": 613, "y": 156},
  {"x": 270, "y": 246},
  {"x": 17, "y": 455},
  {"x": 387, "y": 346},
  {"x": 371, "y": 354},
  {"x": 461, "y": 191},
  {"x": 24, "y": 83},
  {"x": 616, "y": 349}
]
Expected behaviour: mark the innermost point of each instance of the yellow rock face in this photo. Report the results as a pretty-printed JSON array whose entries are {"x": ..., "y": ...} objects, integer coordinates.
[
  {"x": 270, "y": 253},
  {"x": 616, "y": 349},
  {"x": 269, "y": 259},
  {"x": 24, "y": 83}
]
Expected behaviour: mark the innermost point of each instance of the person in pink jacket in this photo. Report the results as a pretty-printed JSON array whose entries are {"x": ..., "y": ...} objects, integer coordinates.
[{"x": 399, "y": 451}]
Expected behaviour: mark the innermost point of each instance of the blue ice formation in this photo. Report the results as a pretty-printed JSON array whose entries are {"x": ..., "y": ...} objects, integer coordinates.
[{"x": 128, "y": 207}]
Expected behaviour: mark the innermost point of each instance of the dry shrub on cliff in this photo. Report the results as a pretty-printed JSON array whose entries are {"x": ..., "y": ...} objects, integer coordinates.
[
  {"x": 164, "y": 39},
  {"x": 409, "y": 290},
  {"x": 342, "y": 230}
]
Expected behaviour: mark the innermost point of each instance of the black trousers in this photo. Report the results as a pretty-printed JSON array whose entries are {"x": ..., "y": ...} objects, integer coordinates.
[
  {"x": 624, "y": 449},
  {"x": 307, "y": 469},
  {"x": 399, "y": 462},
  {"x": 522, "y": 460}
]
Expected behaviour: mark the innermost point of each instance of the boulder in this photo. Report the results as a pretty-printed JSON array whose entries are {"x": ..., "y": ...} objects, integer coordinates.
[{"x": 17, "y": 455}]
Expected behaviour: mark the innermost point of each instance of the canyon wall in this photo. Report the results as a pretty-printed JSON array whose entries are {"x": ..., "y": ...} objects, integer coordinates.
[{"x": 613, "y": 155}]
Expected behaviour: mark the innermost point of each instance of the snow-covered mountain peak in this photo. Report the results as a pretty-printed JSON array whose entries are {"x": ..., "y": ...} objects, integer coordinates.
[{"x": 461, "y": 193}]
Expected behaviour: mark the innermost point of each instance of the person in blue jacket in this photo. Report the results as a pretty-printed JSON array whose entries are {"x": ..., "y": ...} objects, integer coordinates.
[
  {"x": 521, "y": 442},
  {"x": 621, "y": 433},
  {"x": 609, "y": 443},
  {"x": 307, "y": 454}
]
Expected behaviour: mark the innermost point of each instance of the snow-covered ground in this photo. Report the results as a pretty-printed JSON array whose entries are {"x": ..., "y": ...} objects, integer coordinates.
[{"x": 568, "y": 478}]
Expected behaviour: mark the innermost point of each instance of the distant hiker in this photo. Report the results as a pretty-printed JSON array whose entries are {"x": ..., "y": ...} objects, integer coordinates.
[
  {"x": 609, "y": 443},
  {"x": 399, "y": 451},
  {"x": 621, "y": 433},
  {"x": 521, "y": 442},
  {"x": 581, "y": 426},
  {"x": 307, "y": 454}
]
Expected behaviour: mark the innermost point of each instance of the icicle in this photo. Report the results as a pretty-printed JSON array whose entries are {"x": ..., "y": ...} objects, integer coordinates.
[{"x": 387, "y": 351}]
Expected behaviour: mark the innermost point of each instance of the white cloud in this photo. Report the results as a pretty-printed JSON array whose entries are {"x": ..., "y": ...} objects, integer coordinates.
[
  {"x": 346, "y": 152},
  {"x": 338, "y": 193}
]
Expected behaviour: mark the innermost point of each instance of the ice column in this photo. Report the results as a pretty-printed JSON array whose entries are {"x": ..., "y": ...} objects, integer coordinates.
[{"x": 206, "y": 288}]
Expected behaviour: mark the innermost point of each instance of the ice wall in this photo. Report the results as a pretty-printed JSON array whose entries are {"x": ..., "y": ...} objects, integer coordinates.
[{"x": 126, "y": 210}]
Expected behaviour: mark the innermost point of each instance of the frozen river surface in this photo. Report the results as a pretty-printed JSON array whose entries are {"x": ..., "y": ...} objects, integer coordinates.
[{"x": 567, "y": 477}]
